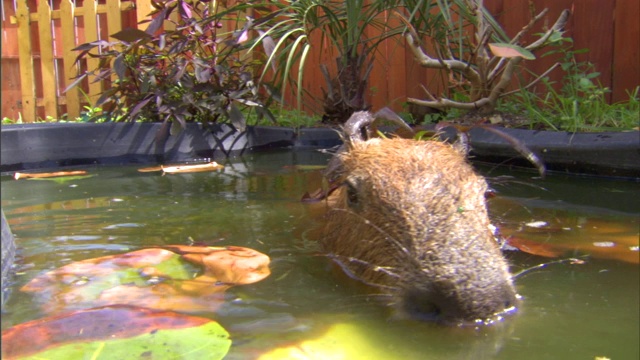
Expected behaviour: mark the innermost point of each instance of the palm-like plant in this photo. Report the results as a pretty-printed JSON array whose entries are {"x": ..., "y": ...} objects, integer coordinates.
[{"x": 286, "y": 34}]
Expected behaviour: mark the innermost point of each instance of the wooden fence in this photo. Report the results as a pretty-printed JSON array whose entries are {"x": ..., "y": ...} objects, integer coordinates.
[{"x": 38, "y": 63}]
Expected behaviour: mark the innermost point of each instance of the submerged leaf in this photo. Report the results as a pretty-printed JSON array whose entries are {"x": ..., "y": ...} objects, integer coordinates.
[
  {"x": 117, "y": 332},
  {"x": 341, "y": 341}
]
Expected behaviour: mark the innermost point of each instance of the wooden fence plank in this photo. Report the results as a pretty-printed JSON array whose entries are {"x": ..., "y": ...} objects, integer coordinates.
[
  {"x": 596, "y": 27},
  {"x": 27, "y": 84},
  {"x": 114, "y": 24},
  {"x": 610, "y": 30},
  {"x": 101, "y": 9},
  {"x": 626, "y": 52},
  {"x": 70, "y": 69},
  {"x": 91, "y": 32},
  {"x": 49, "y": 84},
  {"x": 114, "y": 17},
  {"x": 143, "y": 9}
]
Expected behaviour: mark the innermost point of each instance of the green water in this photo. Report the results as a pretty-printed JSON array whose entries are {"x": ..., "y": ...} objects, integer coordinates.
[{"x": 569, "y": 310}]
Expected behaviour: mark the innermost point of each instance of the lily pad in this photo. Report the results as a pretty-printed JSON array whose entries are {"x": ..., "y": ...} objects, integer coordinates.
[
  {"x": 117, "y": 332},
  {"x": 189, "y": 278}
]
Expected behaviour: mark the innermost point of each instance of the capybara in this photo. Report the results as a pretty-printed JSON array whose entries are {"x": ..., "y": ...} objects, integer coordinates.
[{"x": 409, "y": 218}]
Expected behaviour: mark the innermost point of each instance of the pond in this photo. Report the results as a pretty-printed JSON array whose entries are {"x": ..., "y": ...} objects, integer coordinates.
[{"x": 583, "y": 304}]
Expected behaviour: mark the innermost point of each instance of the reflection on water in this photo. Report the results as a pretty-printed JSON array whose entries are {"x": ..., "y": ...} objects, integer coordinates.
[{"x": 570, "y": 309}]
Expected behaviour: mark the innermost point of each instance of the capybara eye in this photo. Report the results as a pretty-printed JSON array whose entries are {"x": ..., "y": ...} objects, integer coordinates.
[{"x": 352, "y": 195}]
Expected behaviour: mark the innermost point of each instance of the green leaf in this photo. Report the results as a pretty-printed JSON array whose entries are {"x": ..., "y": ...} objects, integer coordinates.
[
  {"x": 237, "y": 118},
  {"x": 510, "y": 51}
]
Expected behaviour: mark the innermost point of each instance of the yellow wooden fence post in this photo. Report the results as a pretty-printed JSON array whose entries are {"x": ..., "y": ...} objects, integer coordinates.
[
  {"x": 67, "y": 14},
  {"x": 114, "y": 24},
  {"x": 47, "y": 61},
  {"x": 91, "y": 34},
  {"x": 27, "y": 84},
  {"x": 114, "y": 16},
  {"x": 143, "y": 9}
]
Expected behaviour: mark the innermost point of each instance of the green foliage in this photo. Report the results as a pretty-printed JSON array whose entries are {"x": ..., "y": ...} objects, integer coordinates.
[
  {"x": 197, "y": 72},
  {"x": 580, "y": 104},
  {"x": 290, "y": 118}
]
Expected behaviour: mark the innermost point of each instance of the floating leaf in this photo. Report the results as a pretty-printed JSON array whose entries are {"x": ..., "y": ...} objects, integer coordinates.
[
  {"x": 20, "y": 175},
  {"x": 192, "y": 168},
  {"x": 534, "y": 248},
  {"x": 117, "y": 332},
  {"x": 233, "y": 265},
  {"x": 193, "y": 278},
  {"x": 510, "y": 51},
  {"x": 150, "y": 169}
]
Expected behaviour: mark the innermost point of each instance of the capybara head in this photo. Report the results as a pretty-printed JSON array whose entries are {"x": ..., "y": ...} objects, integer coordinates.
[{"x": 409, "y": 218}]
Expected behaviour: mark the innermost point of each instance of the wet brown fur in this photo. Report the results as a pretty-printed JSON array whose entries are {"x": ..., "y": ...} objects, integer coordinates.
[{"x": 409, "y": 217}]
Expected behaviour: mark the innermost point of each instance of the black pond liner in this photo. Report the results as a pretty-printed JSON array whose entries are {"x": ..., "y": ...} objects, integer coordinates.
[{"x": 50, "y": 146}]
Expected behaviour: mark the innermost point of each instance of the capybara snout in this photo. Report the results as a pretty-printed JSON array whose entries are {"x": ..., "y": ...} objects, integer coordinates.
[{"x": 409, "y": 218}]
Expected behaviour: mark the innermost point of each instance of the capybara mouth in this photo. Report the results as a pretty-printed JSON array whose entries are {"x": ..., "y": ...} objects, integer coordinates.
[{"x": 459, "y": 309}]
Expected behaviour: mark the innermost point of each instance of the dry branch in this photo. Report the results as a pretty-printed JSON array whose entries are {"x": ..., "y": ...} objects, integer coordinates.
[{"x": 480, "y": 71}]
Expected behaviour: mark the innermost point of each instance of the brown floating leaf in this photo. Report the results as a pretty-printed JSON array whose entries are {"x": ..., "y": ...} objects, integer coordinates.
[
  {"x": 233, "y": 265},
  {"x": 534, "y": 248},
  {"x": 191, "y": 168},
  {"x": 19, "y": 175},
  {"x": 600, "y": 238},
  {"x": 150, "y": 169}
]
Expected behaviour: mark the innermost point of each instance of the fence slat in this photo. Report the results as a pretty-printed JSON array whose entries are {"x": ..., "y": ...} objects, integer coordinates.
[
  {"x": 69, "y": 57},
  {"x": 114, "y": 24},
  {"x": 27, "y": 84},
  {"x": 143, "y": 9},
  {"x": 91, "y": 33},
  {"x": 49, "y": 84},
  {"x": 114, "y": 17}
]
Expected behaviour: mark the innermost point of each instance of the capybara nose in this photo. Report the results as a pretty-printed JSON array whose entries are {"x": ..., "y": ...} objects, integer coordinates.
[{"x": 460, "y": 309}]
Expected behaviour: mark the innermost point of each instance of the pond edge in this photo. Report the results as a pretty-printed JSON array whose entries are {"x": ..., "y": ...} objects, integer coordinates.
[{"x": 54, "y": 145}]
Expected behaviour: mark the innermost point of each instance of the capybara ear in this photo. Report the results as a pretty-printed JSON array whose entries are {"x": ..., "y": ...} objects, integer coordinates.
[{"x": 361, "y": 125}]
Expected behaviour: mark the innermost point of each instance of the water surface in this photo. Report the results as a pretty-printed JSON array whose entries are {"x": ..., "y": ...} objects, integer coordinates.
[{"x": 571, "y": 309}]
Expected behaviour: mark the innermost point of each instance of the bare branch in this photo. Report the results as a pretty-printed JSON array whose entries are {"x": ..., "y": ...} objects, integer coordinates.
[
  {"x": 557, "y": 27},
  {"x": 528, "y": 27},
  {"x": 535, "y": 81},
  {"x": 445, "y": 103},
  {"x": 505, "y": 79},
  {"x": 449, "y": 64}
]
